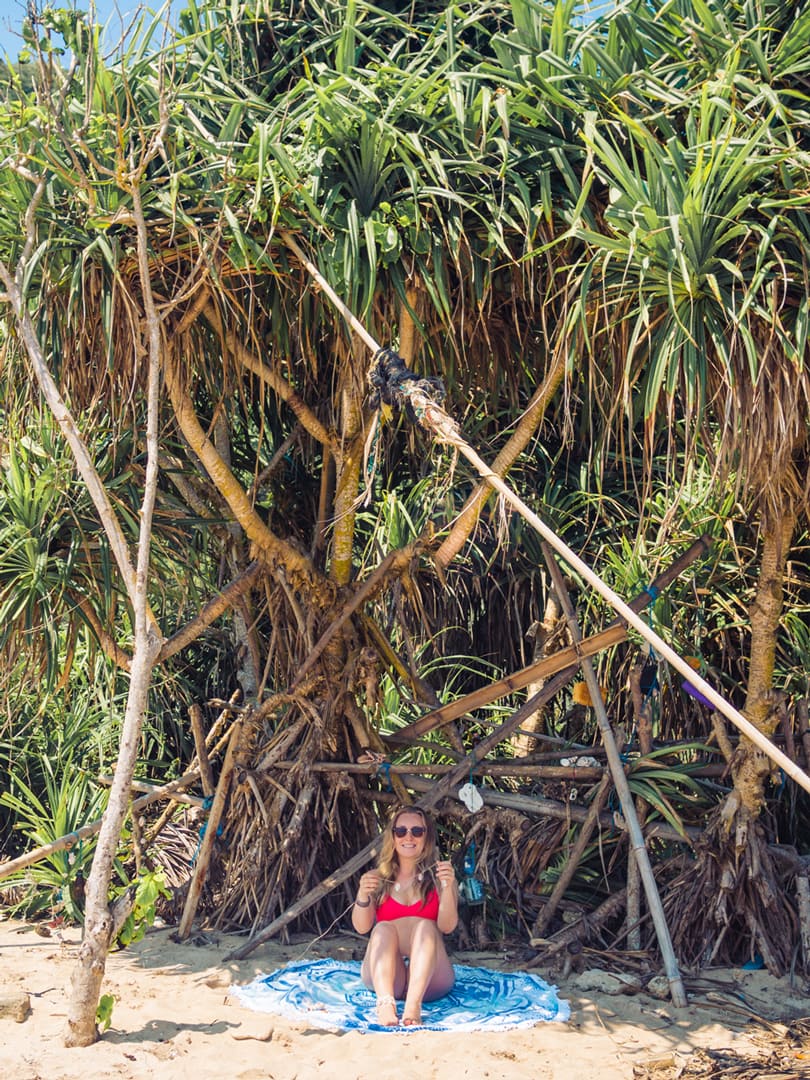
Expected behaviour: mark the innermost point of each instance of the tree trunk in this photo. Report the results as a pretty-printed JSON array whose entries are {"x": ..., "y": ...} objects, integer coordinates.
[
  {"x": 99, "y": 920},
  {"x": 762, "y": 706},
  {"x": 348, "y": 463},
  {"x": 734, "y": 885}
]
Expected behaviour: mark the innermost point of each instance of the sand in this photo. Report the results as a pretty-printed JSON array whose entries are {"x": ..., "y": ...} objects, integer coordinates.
[{"x": 173, "y": 1018}]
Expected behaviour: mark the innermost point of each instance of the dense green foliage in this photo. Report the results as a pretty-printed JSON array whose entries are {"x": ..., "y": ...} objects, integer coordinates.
[{"x": 625, "y": 197}]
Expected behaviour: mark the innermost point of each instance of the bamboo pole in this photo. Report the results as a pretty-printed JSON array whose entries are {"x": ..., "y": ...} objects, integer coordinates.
[
  {"x": 639, "y": 849},
  {"x": 207, "y": 842},
  {"x": 643, "y": 719}
]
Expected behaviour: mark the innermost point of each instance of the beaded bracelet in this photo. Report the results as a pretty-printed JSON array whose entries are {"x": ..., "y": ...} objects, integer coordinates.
[{"x": 362, "y": 903}]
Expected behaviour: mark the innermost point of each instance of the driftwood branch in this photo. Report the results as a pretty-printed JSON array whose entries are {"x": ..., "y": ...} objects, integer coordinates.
[{"x": 212, "y": 610}]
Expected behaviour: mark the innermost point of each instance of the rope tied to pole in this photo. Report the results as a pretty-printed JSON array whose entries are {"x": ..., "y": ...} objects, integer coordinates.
[
  {"x": 402, "y": 390},
  {"x": 395, "y": 389}
]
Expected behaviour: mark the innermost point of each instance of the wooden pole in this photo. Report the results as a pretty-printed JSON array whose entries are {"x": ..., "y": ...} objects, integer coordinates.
[
  {"x": 642, "y": 714},
  {"x": 207, "y": 842},
  {"x": 537, "y": 806},
  {"x": 639, "y": 849},
  {"x": 583, "y": 773},
  {"x": 550, "y": 665},
  {"x": 195, "y": 715}
]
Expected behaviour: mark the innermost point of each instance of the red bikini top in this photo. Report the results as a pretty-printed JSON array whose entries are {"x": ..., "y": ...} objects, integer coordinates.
[{"x": 391, "y": 909}]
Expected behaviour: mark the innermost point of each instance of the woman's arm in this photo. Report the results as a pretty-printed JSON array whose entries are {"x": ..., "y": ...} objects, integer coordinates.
[
  {"x": 448, "y": 897},
  {"x": 364, "y": 909}
]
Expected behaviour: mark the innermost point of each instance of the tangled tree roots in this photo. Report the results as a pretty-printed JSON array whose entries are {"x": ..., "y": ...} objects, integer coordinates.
[
  {"x": 287, "y": 828},
  {"x": 729, "y": 906}
]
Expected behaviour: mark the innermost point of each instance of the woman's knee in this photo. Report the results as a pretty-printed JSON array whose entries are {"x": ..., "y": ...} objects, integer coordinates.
[
  {"x": 425, "y": 932},
  {"x": 384, "y": 935}
]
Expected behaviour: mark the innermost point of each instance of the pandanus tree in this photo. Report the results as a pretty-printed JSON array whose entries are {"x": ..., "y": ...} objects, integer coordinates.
[
  {"x": 149, "y": 211},
  {"x": 694, "y": 293}
]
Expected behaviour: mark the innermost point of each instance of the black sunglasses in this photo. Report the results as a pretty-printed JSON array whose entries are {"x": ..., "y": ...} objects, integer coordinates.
[{"x": 416, "y": 831}]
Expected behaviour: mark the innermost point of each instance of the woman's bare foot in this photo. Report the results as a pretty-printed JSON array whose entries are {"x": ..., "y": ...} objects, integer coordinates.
[
  {"x": 386, "y": 1007},
  {"x": 412, "y": 1018}
]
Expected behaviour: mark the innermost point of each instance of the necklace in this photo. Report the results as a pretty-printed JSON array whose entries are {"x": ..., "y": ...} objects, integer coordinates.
[{"x": 403, "y": 886}]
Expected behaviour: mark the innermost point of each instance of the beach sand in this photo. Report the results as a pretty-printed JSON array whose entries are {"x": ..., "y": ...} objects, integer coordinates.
[{"x": 173, "y": 1018}]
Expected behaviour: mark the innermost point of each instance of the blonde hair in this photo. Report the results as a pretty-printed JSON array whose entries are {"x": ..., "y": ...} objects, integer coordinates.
[{"x": 388, "y": 862}]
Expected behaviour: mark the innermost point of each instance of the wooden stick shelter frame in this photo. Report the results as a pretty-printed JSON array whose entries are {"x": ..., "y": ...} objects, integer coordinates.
[{"x": 432, "y": 417}]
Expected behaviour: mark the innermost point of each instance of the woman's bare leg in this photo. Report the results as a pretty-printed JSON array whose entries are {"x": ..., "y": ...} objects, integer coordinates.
[
  {"x": 384, "y": 970},
  {"x": 430, "y": 973}
]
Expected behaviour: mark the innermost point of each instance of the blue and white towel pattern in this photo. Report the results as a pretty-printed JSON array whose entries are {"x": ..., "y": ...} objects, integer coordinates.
[{"x": 330, "y": 994}]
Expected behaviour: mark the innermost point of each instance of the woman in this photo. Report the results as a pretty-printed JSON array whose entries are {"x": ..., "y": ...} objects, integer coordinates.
[{"x": 407, "y": 903}]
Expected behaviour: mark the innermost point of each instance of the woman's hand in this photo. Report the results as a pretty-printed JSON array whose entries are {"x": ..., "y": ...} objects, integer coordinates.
[
  {"x": 448, "y": 897},
  {"x": 369, "y": 885},
  {"x": 363, "y": 911},
  {"x": 445, "y": 874}
]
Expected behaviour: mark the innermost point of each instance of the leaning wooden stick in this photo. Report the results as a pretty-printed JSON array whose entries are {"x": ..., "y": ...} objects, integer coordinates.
[
  {"x": 214, "y": 816},
  {"x": 622, "y": 786}
]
